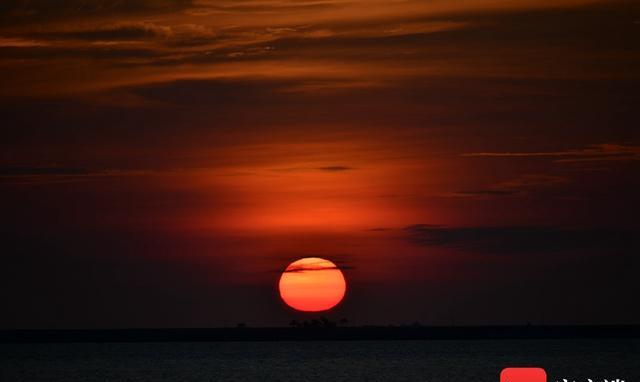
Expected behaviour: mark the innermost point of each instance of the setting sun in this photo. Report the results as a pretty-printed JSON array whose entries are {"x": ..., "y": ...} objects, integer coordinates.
[{"x": 312, "y": 284}]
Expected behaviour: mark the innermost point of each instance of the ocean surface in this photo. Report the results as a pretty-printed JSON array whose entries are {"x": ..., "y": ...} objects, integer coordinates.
[{"x": 477, "y": 360}]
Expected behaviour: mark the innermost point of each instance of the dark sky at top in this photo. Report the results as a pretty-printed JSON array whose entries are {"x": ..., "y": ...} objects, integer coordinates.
[{"x": 468, "y": 162}]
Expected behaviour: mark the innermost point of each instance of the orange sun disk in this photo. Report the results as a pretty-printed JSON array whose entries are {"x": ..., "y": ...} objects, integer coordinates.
[{"x": 312, "y": 284}]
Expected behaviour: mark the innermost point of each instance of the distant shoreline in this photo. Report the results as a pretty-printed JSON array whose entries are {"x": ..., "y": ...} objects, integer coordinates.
[{"x": 360, "y": 333}]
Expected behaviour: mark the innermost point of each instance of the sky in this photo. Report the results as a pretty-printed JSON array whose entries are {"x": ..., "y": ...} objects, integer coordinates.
[{"x": 463, "y": 163}]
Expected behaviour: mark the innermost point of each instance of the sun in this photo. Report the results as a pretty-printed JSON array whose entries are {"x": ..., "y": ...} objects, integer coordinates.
[{"x": 312, "y": 284}]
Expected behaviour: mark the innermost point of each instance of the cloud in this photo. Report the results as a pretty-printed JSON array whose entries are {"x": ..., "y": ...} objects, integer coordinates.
[
  {"x": 30, "y": 171},
  {"x": 592, "y": 153},
  {"x": 531, "y": 180},
  {"x": 352, "y": 45},
  {"x": 489, "y": 192},
  {"x": 205, "y": 7},
  {"x": 57, "y": 174},
  {"x": 522, "y": 239},
  {"x": 324, "y": 169},
  {"x": 174, "y": 35},
  {"x": 320, "y": 266},
  {"x": 45, "y": 51},
  {"x": 17, "y": 42},
  {"x": 314, "y": 268},
  {"x": 517, "y": 186},
  {"x": 117, "y": 31},
  {"x": 334, "y": 168},
  {"x": 21, "y": 11}
]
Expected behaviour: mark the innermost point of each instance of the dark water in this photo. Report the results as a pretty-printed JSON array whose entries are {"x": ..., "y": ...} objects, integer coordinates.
[{"x": 319, "y": 361}]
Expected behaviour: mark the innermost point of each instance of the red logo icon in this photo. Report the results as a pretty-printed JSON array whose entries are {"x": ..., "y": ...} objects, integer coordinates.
[{"x": 523, "y": 374}]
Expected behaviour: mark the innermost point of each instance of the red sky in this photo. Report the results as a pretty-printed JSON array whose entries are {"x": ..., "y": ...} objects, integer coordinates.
[{"x": 162, "y": 161}]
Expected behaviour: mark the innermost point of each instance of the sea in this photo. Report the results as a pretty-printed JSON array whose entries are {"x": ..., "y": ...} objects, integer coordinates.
[{"x": 438, "y": 361}]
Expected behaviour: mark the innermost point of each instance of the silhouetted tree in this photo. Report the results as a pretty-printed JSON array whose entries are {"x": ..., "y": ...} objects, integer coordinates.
[
  {"x": 294, "y": 324},
  {"x": 344, "y": 321}
]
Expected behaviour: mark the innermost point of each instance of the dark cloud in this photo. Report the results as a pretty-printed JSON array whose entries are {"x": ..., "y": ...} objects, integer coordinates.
[
  {"x": 117, "y": 33},
  {"x": 122, "y": 31},
  {"x": 487, "y": 192},
  {"x": 521, "y": 185},
  {"x": 602, "y": 30},
  {"x": 324, "y": 169},
  {"x": 592, "y": 153},
  {"x": 26, "y": 11},
  {"x": 213, "y": 93},
  {"x": 522, "y": 239},
  {"x": 335, "y": 168},
  {"x": 341, "y": 261},
  {"x": 316, "y": 268},
  {"x": 96, "y": 52},
  {"x": 205, "y": 8},
  {"x": 29, "y": 171},
  {"x": 57, "y": 174},
  {"x": 514, "y": 38}
]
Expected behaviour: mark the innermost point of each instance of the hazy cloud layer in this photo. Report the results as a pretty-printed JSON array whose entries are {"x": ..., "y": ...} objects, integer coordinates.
[
  {"x": 593, "y": 153},
  {"x": 518, "y": 186},
  {"x": 419, "y": 40},
  {"x": 523, "y": 240},
  {"x": 37, "y": 11}
]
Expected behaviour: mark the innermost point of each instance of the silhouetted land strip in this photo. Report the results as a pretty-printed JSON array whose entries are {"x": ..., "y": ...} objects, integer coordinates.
[{"x": 324, "y": 334}]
